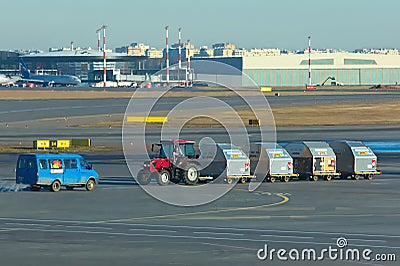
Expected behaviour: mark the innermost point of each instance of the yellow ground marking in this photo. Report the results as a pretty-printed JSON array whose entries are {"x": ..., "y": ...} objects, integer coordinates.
[
  {"x": 146, "y": 119},
  {"x": 283, "y": 200}
]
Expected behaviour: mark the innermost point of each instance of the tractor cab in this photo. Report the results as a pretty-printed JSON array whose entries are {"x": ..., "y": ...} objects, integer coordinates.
[{"x": 175, "y": 150}]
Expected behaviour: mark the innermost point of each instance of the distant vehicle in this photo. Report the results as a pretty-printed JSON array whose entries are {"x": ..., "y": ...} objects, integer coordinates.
[
  {"x": 47, "y": 80},
  {"x": 115, "y": 84},
  {"x": 54, "y": 171},
  {"x": 5, "y": 81},
  {"x": 334, "y": 82}
]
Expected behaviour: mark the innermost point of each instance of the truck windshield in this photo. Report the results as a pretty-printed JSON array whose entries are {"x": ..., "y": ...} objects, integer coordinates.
[{"x": 85, "y": 164}]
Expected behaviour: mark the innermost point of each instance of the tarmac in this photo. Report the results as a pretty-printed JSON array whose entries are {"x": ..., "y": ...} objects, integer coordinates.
[{"x": 118, "y": 223}]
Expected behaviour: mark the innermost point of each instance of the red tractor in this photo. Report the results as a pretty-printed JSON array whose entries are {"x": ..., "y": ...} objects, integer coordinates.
[{"x": 175, "y": 161}]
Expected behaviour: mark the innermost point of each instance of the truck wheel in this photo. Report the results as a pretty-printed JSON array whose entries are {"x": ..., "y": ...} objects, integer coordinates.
[
  {"x": 163, "y": 178},
  {"x": 90, "y": 184},
  {"x": 142, "y": 178},
  {"x": 55, "y": 186},
  {"x": 191, "y": 175}
]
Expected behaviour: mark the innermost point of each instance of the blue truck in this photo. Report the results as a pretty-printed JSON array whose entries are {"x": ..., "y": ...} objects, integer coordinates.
[{"x": 54, "y": 171}]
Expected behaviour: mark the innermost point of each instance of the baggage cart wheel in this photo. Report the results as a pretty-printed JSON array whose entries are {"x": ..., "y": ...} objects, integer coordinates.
[
  {"x": 243, "y": 180},
  {"x": 314, "y": 178},
  {"x": 272, "y": 179},
  {"x": 369, "y": 177},
  {"x": 328, "y": 178},
  {"x": 356, "y": 177},
  {"x": 229, "y": 181},
  {"x": 285, "y": 179}
]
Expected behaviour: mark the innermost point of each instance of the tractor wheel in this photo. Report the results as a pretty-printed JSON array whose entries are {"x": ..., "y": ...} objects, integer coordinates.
[
  {"x": 163, "y": 178},
  {"x": 191, "y": 175},
  {"x": 142, "y": 178}
]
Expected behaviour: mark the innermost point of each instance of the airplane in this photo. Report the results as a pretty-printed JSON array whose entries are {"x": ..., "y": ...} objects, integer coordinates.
[{"x": 47, "y": 80}]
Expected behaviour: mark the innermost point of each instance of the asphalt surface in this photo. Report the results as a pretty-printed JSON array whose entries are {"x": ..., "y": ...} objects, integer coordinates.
[{"x": 120, "y": 224}]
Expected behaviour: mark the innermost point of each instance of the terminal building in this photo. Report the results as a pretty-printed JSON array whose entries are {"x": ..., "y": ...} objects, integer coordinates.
[
  {"x": 88, "y": 64},
  {"x": 267, "y": 67},
  {"x": 291, "y": 70}
]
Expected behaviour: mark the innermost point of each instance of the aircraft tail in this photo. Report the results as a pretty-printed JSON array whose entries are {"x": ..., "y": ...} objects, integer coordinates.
[{"x": 25, "y": 73}]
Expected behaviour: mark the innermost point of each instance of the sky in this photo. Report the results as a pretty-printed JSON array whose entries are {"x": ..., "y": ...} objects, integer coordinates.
[{"x": 284, "y": 24}]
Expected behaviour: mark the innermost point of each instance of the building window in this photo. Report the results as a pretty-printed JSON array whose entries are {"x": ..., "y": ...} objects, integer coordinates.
[
  {"x": 359, "y": 62},
  {"x": 318, "y": 62}
]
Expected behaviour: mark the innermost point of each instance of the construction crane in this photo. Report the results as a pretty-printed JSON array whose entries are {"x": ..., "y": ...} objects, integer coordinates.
[{"x": 333, "y": 82}]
